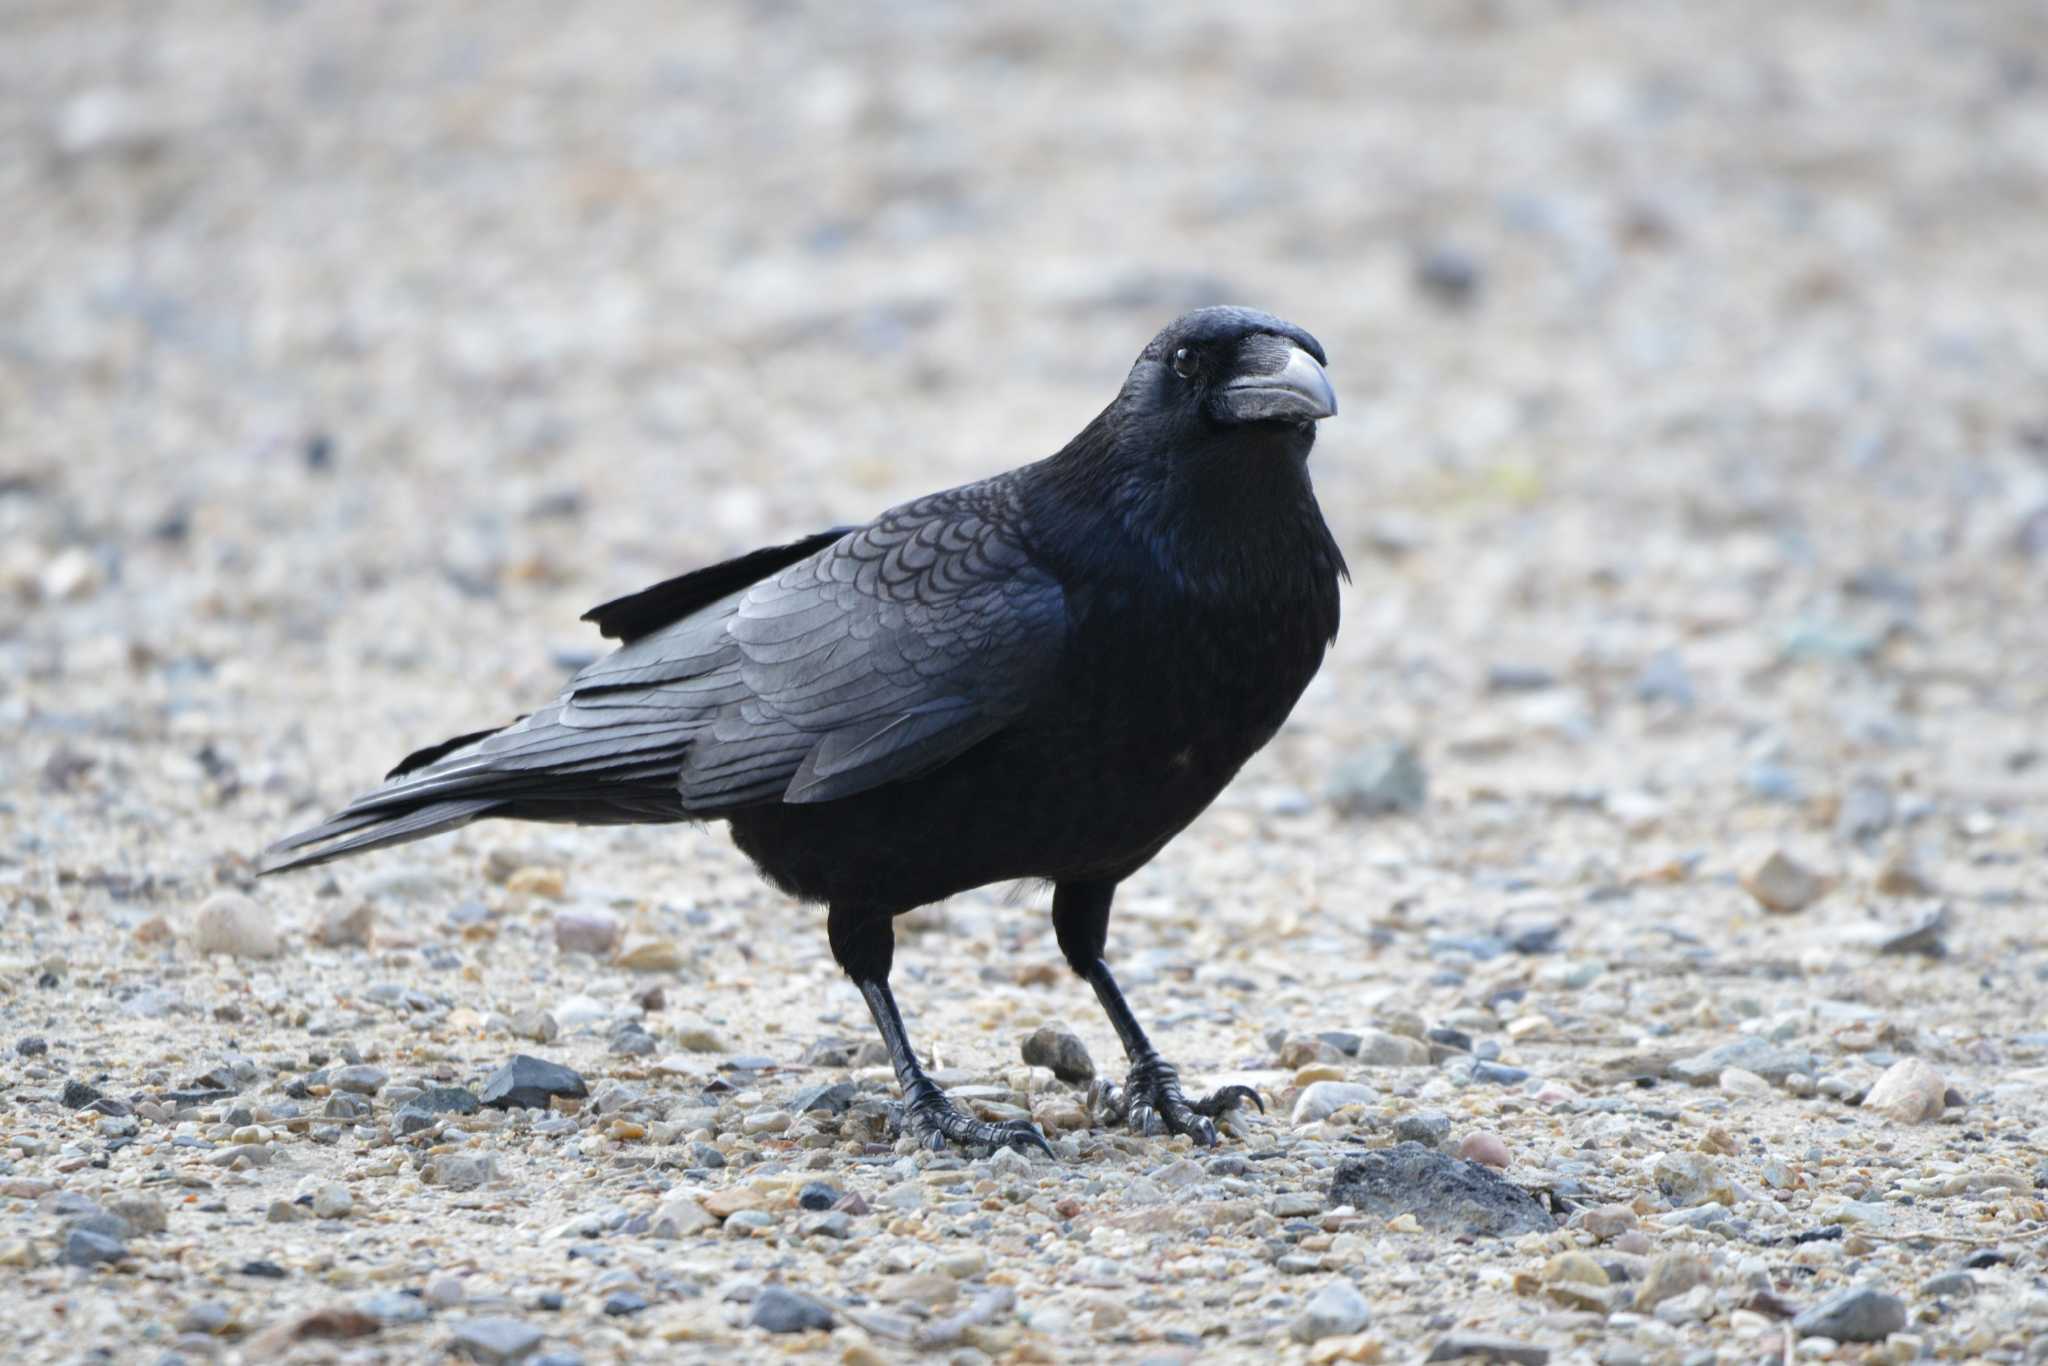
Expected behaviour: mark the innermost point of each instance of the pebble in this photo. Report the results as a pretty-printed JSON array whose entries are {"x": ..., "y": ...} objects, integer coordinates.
[
  {"x": 1378, "y": 1048},
  {"x": 1385, "y": 779},
  {"x": 1333, "y": 1311},
  {"x": 535, "y": 1024},
  {"x": 496, "y": 1340},
  {"x": 1430, "y": 1128},
  {"x": 1486, "y": 1149},
  {"x": 1860, "y": 1314},
  {"x": 361, "y": 1079},
  {"x": 1909, "y": 1092},
  {"x": 779, "y": 1310},
  {"x": 650, "y": 953},
  {"x": 1058, "y": 1048},
  {"x": 83, "y": 1247},
  {"x": 349, "y": 927},
  {"x": 1670, "y": 1276},
  {"x": 1739, "y": 1081},
  {"x": 1783, "y": 884},
  {"x": 1322, "y": 1099},
  {"x": 331, "y": 1200},
  {"x": 1690, "y": 1178},
  {"x": 586, "y": 931},
  {"x": 235, "y": 925},
  {"x": 530, "y": 1083}
]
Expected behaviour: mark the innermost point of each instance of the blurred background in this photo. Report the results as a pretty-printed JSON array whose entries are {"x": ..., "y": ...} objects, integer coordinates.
[{"x": 1694, "y": 363}]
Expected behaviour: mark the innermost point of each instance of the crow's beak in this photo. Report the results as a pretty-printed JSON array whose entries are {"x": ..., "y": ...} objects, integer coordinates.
[{"x": 1287, "y": 386}]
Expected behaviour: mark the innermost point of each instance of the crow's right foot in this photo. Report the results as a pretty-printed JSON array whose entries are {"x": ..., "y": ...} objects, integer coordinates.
[{"x": 934, "y": 1121}]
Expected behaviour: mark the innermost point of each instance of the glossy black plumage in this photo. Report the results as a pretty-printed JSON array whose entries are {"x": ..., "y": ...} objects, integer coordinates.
[{"x": 1046, "y": 674}]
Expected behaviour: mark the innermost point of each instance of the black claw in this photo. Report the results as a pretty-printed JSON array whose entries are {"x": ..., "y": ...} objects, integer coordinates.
[
  {"x": 1151, "y": 1102},
  {"x": 934, "y": 1121},
  {"x": 1223, "y": 1101}
]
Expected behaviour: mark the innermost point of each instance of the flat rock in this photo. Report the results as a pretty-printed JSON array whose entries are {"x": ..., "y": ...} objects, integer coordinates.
[
  {"x": 530, "y": 1083},
  {"x": 1444, "y": 1194},
  {"x": 1487, "y": 1347},
  {"x": 1861, "y": 1314},
  {"x": 1772, "y": 1062}
]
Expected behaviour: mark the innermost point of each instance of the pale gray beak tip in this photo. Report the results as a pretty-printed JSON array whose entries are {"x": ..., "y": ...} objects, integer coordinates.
[{"x": 1298, "y": 391}]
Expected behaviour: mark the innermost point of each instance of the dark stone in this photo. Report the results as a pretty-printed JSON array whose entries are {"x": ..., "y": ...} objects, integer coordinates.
[
  {"x": 83, "y": 1247},
  {"x": 1446, "y": 1195},
  {"x": 624, "y": 1304},
  {"x": 548, "y": 1301},
  {"x": 785, "y": 1311},
  {"x": 1499, "y": 1073},
  {"x": 530, "y": 1083},
  {"x": 818, "y": 1195},
  {"x": 1984, "y": 1257},
  {"x": 1343, "y": 1042},
  {"x": 1450, "y": 1038},
  {"x": 831, "y": 1100},
  {"x": 32, "y": 1046},
  {"x": 76, "y": 1095},
  {"x": 269, "y": 1271}
]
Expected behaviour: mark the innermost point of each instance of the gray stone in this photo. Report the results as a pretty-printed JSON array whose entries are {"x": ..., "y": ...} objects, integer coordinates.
[
  {"x": 1333, "y": 1311},
  {"x": 1772, "y": 1062},
  {"x": 1059, "y": 1048},
  {"x": 496, "y": 1340},
  {"x": 1861, "y": 1314},
  {"x": 1379, "y": 781},
  {"x": 1445, "y": 1194},
  {"x": 1430, "y": 1128},
  {"x": 785, "y": 1311},
  {"x": 362, "y": 1079},
  {"x": 1954, "y": 1285},
  {"x": 425, "y": 1110},
  {"x": 83, "y": 1247}
]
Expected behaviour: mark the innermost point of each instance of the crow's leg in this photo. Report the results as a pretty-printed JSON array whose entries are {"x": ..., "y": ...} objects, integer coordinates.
[
  {"x": 1150, "y": 1100},
  {"x": 864, "y": 943}
]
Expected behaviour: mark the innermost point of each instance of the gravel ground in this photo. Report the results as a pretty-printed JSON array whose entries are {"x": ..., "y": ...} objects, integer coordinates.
[{"x": 1660, "y": 853}]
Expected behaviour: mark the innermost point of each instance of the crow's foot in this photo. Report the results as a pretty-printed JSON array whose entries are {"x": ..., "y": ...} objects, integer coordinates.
[
  {"x": 1151, "y": 1102},
  {"x": 934, "y": 1121}
]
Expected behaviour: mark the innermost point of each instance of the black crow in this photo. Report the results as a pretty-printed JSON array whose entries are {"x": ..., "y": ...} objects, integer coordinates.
[{"x": 1041, "y": 676}]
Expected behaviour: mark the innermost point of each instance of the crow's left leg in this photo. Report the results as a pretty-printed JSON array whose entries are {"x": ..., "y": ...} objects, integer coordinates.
[{"x": 1150, "y": 1100}]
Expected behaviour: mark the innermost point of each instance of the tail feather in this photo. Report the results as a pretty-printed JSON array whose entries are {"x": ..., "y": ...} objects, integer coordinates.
[
  {"x": 352, "y": 834},
  {"x": 534, "y": 769}
]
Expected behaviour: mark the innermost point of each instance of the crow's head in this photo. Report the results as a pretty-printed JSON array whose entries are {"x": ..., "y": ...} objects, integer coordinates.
[{"x": 1222, "y": 368}]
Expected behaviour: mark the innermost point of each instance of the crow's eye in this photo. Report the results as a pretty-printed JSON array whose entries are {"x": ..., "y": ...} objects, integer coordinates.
[{"x": 1185, "y": 364}]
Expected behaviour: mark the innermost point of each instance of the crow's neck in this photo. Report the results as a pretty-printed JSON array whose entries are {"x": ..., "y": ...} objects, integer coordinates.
[{"x": 1233, "y": 519}]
